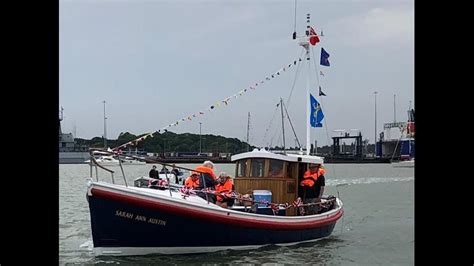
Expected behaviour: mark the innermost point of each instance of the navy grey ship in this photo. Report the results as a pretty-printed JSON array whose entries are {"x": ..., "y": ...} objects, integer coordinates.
[{"x": 69, "y": 151}]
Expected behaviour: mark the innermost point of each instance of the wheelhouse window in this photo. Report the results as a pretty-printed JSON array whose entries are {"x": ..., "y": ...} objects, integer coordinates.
[
  {"x": 257, "y": 167},
  {"x": 276, "y": 168},
  {"x": 241, "y": 168}
]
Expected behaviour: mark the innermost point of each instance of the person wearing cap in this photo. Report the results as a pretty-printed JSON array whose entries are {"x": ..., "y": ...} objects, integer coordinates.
[
  {"x": 153, "y": 173},
  {"x": 224, "y": 187},
  {"x": 192, "y": 181},
  {"x": 313, "y": 186}
]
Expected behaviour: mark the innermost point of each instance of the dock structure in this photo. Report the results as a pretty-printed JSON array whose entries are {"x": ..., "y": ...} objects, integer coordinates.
[{"x": 343, "y": 134}]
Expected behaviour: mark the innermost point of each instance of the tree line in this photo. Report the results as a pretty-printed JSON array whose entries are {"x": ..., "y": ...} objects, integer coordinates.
[
  {"x": 172, "y": 142},
  {"x": 187, "y": 142}
]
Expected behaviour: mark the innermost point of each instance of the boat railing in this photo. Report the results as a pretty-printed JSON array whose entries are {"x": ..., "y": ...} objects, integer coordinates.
[
  {"x": 94, "y": 164},
  {"x": 177, "y": 167},
  {"x": 296, "y": 204}
]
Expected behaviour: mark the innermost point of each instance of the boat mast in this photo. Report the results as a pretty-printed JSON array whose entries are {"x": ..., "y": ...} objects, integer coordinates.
[
  {"x": 282, "y": 124},
  {"x": 61, "y": 119},
  {"x": 105, "y": 128},
  {"x": 308, "y": 104},
  {"x": 394, "y": 110},
  {"x": 375, "y": 126}
]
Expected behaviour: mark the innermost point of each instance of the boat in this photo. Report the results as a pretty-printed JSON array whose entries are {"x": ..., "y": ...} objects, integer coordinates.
[
  {"x": 131, "y": 160},
  {"x": 159, "y": 216},
  {"x": 105, "y": 160},
  {"x": 140, "y": 220},
  {"x": 176, "y": 177},
  {"x": 108, "y": 160}
]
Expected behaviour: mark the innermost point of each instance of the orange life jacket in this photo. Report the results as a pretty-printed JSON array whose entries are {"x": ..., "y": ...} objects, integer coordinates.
[
  {"x": 310, "y": 178},
  {"x": 226, "y": 187},
  {"x": 190, "y": 183},
  {"x": 207, "y": 170}
]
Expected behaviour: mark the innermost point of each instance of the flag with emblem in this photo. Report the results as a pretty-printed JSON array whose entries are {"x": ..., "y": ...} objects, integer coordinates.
[{"x": 316, "y": 115}]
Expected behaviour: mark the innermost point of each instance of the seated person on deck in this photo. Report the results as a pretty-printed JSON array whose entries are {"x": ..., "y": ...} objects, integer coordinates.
[
  {"x": 223, "y": 188},
  {"x": 192, "y": 181}
]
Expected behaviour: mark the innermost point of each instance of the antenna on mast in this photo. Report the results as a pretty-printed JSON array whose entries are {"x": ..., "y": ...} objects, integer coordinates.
[{"x": 294, "y": 32}]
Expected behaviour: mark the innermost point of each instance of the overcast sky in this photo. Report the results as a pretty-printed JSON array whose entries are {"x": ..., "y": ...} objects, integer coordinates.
[{"x": 155, "y": 62}]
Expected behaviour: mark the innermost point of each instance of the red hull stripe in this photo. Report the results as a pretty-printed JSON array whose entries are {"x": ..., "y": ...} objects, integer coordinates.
[{"x": 250, "y": 222}]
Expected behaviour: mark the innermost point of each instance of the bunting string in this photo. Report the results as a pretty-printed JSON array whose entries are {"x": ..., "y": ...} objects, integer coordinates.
[
  {"x": 186, "y": 192},
  {"x": 222, "y": 103}
]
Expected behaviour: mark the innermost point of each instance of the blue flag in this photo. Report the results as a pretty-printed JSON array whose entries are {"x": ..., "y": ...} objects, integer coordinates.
[
  {"x": 324, "y": 57},
  {"x": 316, "y": 115}
]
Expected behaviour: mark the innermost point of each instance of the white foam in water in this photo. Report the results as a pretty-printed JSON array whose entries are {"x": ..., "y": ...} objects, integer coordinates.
[
  {"x": 88, "y": 244},
  {"x": 367, "y": 180}
]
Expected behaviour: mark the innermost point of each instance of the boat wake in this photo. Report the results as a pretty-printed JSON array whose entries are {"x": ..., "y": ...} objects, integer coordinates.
[
  {"x": 367, "y": 180},
  {"x": 89, "y": 245}
]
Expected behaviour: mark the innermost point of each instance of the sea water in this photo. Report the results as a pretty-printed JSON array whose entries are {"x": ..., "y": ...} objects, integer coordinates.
[{"x": 377, "y": 226}]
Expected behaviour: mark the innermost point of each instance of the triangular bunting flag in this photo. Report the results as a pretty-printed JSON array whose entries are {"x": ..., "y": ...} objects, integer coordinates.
[{"x": 321, "y": 93}]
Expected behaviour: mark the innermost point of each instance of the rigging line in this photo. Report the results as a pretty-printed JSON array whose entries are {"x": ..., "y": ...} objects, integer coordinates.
[
  {"x": 274, "y": 113},
  {"x": 291, "y": 124},
  {"x": 276, "y": 132},
  {"x": 327, "y": 138},
  {"x": 268, "y": 128},
  {"x": 279, "y": 138},
  {"x": 294, "y": 81},
  {"x": 316, "y": 68}
]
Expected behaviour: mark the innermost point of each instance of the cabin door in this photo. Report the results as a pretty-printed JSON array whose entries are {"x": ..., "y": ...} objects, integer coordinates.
[{"x": 301, "y": 171}]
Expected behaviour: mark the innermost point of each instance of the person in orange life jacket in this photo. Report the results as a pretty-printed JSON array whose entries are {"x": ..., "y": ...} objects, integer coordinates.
[
  {"x": 224, "y": 186},
  {"x": 313, "y": 187},
  {"x": 207, "y": 180},
  {"x": 192, "y": 181}
]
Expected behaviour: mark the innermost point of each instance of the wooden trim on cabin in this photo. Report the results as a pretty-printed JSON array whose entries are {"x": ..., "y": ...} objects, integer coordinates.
[
  {"x": 266, "y": 167},
  {"x": 237, "y": 164},
  {"x": 247, "y": 170},
  {"x": 284, "y": 189},
  {"x": 277, "y": 186}
]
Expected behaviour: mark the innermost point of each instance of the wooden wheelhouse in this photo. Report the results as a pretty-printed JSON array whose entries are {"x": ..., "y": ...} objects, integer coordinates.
[{"x": 278, "y": 173}]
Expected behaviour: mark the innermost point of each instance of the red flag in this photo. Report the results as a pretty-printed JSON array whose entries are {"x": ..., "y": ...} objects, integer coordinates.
[{"x": 313, "y": 36}]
